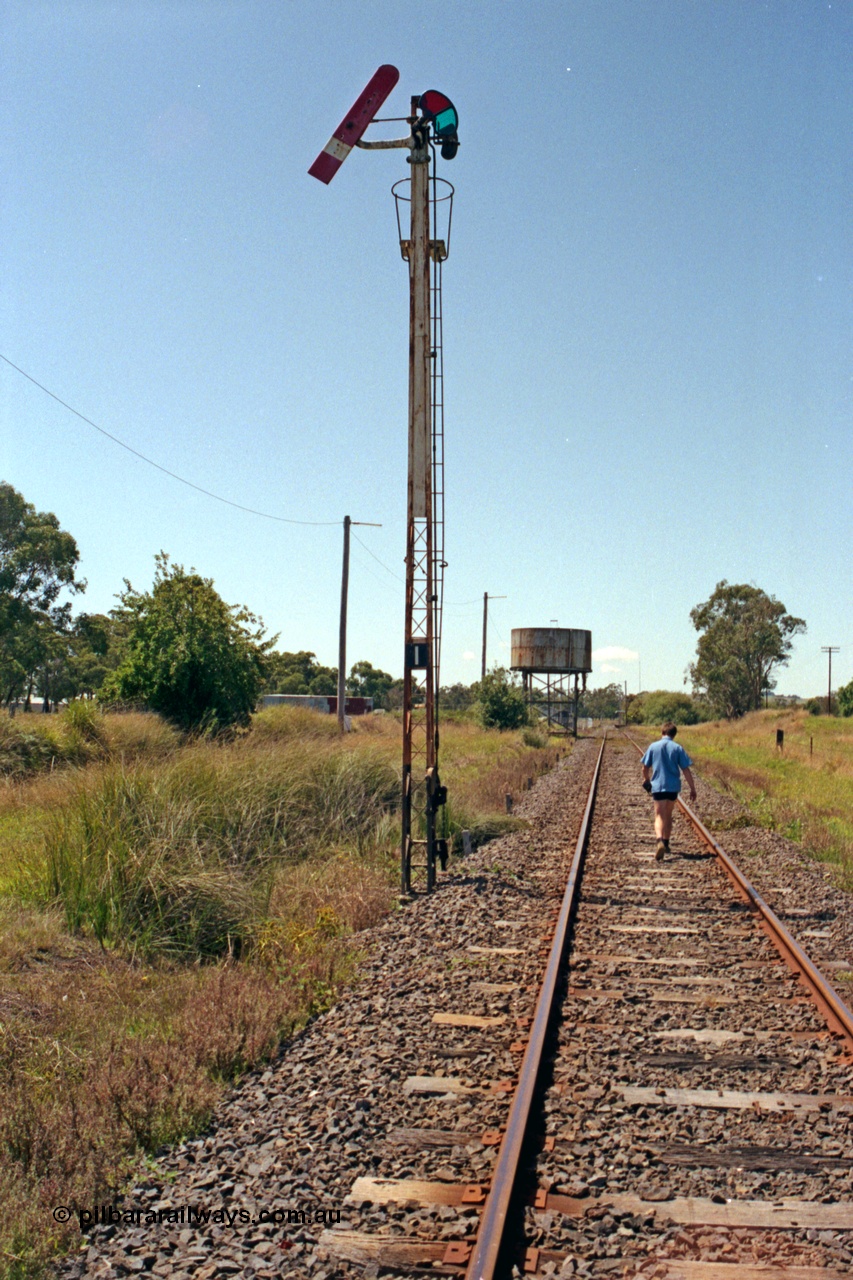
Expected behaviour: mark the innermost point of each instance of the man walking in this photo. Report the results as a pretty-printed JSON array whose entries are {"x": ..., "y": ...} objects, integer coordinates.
[{"x": 663, "y": 764}]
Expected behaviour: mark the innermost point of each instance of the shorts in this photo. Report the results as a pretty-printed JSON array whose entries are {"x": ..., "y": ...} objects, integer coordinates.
[{"x": 664, "y": 795}]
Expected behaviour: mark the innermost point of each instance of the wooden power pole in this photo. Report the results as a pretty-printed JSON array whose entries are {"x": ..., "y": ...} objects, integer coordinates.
[
  {"x": 829, "y": 650},
  {"x": 486, "y": 599},
  {"x": 342, "y": 634}
]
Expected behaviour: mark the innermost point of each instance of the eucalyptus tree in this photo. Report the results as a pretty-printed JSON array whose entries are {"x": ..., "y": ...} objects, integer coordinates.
[
  {"x": 38, "y": 562},
  {"x": 745, "y": 635}
]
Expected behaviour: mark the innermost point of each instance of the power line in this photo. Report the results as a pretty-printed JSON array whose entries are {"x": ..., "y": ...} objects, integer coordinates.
[
  {"x": 458, "y": 604},
  {"x": 265, "y": 515},
  {"x": 364, "y": 567},
  {"x": 378, "y": 561}
]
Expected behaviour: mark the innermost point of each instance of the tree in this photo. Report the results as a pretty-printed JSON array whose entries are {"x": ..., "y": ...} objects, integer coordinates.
[
  {"x": 367, "y": 681},
  {"x": 38, "y": 561},
  {"x": 457, "y": 697},
  {"x": 602, "y": 704},
  {"x": 298, "y": 673},
  {"x": 394, "y": 696},
  {"x": 745, "y": 634},
  {"x": 96, "y": 643},
  {"x": 192, "y": 658},
  {"x": 845, "y": 699},
  {"x": 501, "y": 701},
  {"x": 662, "y": 705}
]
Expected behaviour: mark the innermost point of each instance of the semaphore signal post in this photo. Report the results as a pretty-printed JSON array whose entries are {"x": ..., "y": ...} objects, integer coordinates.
[{"x": 433, "y": 123}]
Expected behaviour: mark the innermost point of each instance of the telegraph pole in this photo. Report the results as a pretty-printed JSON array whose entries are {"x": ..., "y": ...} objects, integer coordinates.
[
  {"x": 486, "y": 599},
  {"x": 829, "y": 650},
  {"x": 342, "y": 634}
]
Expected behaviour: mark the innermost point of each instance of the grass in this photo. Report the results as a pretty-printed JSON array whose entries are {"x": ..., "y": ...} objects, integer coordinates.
[
  {"x": 102, "y": 1059},
  {"x": 80, "y": 734},
  {"x": 170, "y": 912},
  {"x": 805, "y": 790},
  {"x": 482, "y": 767},
  {"x": 182, "y": 858}
]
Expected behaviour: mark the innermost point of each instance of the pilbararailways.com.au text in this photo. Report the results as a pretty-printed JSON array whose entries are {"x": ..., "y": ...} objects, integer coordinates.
[{"x": 193, "y": 1216}]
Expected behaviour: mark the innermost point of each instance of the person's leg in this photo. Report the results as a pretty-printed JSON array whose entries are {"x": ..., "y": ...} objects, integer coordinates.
[
  {"x": 659, "y": 808},
  {"x": 663, "y": 826},
  {"x": 667, "y": 808},
  {"x": 663, "y": 818}
]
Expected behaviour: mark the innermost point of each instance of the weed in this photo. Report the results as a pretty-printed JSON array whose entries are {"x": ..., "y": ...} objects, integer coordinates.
[
  {"x": 286, "y": 724},
  {"x": 26, "y": 750},
  {"x": 33, "y": 744},
  {"x": 467, "y": 962},
  {"x": 736, "y": 823}
]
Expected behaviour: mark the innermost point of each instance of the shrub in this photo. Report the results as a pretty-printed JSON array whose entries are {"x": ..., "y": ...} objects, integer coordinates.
[
  {"x": 501, "y": 701},
  {"x": 82, "y": 733},
  {"x": 27, "y": 750},
  {"x": 190, "y": 657},
  {"x": 663, "y": 705},
  {"x": 845, "y": 699}
]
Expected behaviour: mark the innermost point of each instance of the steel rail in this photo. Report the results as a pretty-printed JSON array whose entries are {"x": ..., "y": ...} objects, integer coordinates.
[
  {"x": 486, "y": 1253},
  {"x": 838, "y": 1015}
]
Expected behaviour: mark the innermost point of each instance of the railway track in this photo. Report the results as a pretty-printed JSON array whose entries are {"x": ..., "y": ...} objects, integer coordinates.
[
  {"x": 690, "y": 1118},
  {"x": 675, "y": 1101}
]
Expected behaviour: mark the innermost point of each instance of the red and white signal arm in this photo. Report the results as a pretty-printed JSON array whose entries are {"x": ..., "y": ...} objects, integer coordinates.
[{"x": 354, "y": 123}]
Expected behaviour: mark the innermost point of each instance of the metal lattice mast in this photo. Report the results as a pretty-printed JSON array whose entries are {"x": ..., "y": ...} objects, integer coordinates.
[
  {"x": 419, "y": 755},
  {"x": 433, "y": 119}
]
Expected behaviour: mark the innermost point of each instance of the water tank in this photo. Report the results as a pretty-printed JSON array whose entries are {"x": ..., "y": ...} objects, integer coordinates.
[{"x": 551, "y": 649}]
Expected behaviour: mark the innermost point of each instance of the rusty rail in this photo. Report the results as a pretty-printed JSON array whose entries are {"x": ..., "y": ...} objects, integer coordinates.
[
  {"x": 489, "y": 1244},
  {"x": 838, "y": 1015}
]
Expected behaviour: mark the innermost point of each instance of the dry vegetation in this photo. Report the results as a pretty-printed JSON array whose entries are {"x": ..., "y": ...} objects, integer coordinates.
[
  {"x": 805, "y": 790},
  {"x": 170, "y": 912}
]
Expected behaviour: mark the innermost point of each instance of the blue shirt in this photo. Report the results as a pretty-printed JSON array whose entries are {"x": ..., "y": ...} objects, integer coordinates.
[{"x": 665, "y": 758}]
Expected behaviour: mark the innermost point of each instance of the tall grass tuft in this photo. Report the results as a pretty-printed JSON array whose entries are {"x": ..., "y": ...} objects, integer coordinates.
[
  {"x": 179, "y": 859},
  {"x": 283, "y": 724},
  {"x": 32, "y": 744}
]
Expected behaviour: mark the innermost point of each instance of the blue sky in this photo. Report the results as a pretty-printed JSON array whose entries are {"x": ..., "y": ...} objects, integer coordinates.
[{"x": 647, "y": 311}]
